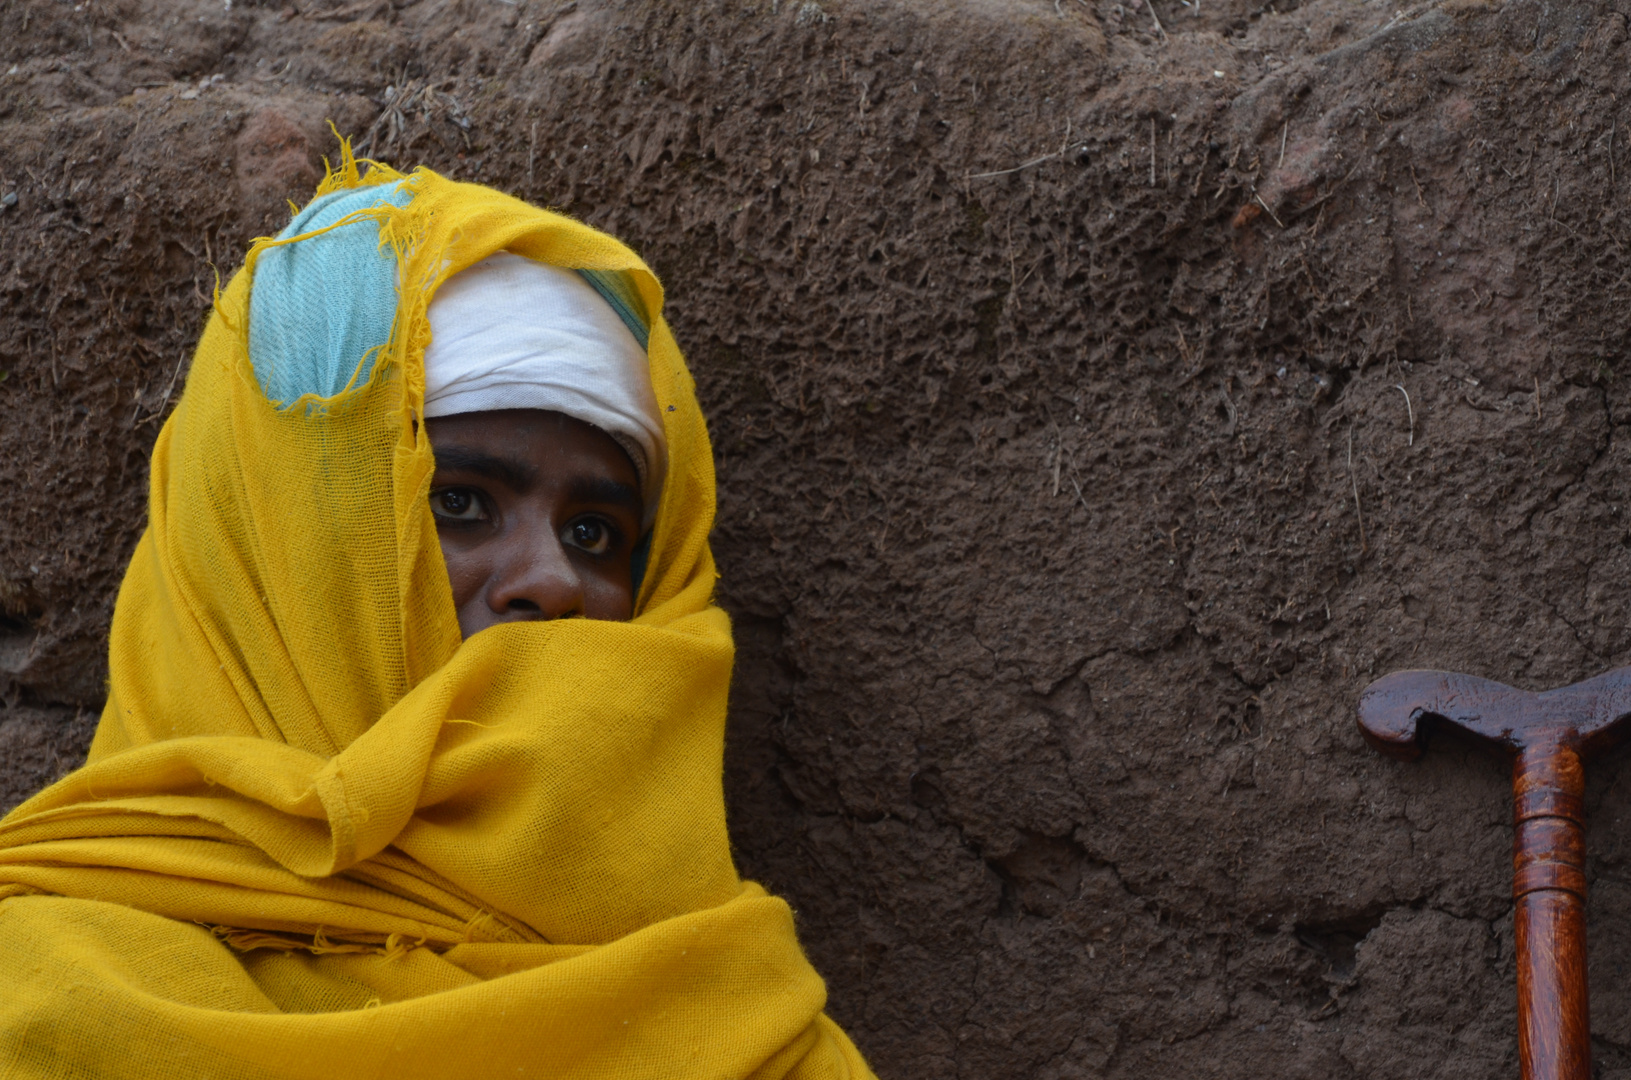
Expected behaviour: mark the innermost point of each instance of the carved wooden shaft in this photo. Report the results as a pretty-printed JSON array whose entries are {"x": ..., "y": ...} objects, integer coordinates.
[
  {"x": 1550, "y": 733},
  {"x": 1549, "y": 888}
]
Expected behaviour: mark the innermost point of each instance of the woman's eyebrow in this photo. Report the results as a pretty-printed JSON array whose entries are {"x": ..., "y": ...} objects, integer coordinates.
[
  {"x": 607, "y": 492},
  {"x": 518, "y": 476}
]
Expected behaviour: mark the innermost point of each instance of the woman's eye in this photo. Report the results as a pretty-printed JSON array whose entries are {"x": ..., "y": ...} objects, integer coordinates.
[
  {"x": 590, "y": 535},
  {"x": 456, "y": 504}
]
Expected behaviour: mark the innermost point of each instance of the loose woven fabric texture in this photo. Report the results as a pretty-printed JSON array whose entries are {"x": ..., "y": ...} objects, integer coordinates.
[{"x": 318, "y": 834}]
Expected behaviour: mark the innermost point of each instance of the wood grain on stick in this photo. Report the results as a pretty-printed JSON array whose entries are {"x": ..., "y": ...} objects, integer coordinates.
[{"x": 1549, "y": 735}]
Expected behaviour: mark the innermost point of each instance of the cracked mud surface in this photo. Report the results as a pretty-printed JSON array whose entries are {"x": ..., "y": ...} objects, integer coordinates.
[{"x": 1097, "y": 409}]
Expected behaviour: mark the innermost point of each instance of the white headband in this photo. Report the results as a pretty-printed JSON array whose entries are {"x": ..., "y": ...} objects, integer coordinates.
[{"x": 512, "y": 333}]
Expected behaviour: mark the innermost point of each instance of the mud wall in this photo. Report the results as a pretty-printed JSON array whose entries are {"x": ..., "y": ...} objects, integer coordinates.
[{"x": 1102, "y": 397}]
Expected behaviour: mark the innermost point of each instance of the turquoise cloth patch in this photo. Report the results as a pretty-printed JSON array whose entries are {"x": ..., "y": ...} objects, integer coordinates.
[{"x": 321, "y": 309}]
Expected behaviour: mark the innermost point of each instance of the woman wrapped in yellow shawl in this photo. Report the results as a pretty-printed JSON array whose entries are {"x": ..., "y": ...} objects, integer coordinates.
[{"x": 329, "y": 829}]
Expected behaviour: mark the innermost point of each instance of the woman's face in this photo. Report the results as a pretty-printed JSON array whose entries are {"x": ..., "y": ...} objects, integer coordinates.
[{"x": 538, "y": 515}]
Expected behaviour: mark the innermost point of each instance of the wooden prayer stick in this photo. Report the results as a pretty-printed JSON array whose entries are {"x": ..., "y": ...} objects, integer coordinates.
[{"x": 1550, "y": 734}]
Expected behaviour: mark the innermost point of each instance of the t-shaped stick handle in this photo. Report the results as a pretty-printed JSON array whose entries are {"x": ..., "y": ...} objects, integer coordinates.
[{"x": 1550, "y": 734}]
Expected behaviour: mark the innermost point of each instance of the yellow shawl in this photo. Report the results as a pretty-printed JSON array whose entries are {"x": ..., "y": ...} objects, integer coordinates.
[{"x": 318, "y": 836}]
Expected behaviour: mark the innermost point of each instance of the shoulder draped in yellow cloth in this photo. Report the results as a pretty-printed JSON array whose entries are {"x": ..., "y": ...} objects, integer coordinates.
[{"x": 318, "y": 836}]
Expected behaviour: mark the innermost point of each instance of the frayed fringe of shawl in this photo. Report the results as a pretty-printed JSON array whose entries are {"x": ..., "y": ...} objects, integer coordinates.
[{"x": 391, "y": 947}]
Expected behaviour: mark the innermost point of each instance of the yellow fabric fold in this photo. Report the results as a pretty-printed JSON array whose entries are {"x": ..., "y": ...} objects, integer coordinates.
[{"x": 318, "y": 835}]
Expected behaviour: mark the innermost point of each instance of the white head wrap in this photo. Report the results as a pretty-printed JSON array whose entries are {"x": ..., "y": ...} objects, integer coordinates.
[{"x": 512, "y": 333}]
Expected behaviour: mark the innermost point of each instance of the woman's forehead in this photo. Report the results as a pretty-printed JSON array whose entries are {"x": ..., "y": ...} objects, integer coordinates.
[{"x": 529, "y": 443}]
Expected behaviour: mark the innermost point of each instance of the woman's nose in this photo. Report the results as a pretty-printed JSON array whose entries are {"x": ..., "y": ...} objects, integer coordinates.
[{"x": 535, "y": 580}]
